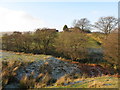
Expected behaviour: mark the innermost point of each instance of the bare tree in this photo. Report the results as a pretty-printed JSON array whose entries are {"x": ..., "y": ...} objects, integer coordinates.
[
  {"x": 111, "y": 49},
  {"x": 13, "y": 42},
  {"x": 106, "y": 24},
  {"x": 6, "y": 42},
  {"x": 72, "y": 45},
  {"x": 83, "y": 24},
  {"x": 44, "y": 38},
  {"x": 27, "y": 41}
]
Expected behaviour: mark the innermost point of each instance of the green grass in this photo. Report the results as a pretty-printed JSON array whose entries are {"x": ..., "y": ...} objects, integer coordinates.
[
  {"x": 22, "y": 57},
  {"x": 92, "y": 43},
  {"x": 97, "y": 82}
]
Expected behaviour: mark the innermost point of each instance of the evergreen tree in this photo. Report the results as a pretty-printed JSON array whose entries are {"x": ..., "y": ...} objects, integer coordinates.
[{"x": 65, "y": 28}]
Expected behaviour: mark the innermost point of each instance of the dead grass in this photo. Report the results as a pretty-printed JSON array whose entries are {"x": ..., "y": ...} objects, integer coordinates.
[
  {"x": 27, "y": 82},
  {"x": 9, "y": 69},
  {"x": 9, "y": 73}
]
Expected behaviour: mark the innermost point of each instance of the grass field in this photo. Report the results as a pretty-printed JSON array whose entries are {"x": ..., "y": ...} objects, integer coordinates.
[
  {"x": 96, "y": 82},
  {"x": 92, "y": 43},
  {"x": 104, "y": 81},
  {"x": 7, "y": 55}
]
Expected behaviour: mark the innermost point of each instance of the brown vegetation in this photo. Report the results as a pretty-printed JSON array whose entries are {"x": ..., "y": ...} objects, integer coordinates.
[
  {"x": 106, "y": 24},
  {"x": 72, "y": 45},
  {"x": 111, "y": 53}
]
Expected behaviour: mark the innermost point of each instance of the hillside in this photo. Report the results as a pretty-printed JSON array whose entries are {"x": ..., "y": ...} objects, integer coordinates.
[
  {"x": 36, "y": 71},
  {"x": 96, "y": 82}
]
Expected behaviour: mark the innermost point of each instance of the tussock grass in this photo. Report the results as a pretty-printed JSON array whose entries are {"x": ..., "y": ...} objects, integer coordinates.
[
  {"x": 11, "y": 65},
  {"x": 96, "y": 82}
]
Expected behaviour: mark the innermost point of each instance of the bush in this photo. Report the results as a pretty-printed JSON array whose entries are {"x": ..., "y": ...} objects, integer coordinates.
[
  {"x": 111, "y": 54},
  {"x": 72, "y": 45}
]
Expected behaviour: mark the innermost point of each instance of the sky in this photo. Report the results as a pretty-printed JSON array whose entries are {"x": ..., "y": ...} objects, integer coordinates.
[{"x": 28, "y": 16}]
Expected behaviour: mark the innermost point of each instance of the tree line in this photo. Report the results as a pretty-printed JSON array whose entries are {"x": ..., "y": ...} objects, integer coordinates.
[
  {"x": 105, "y": 24},
  {"x": 43, "y": 41},
  {"x": 69, "y": 44}
]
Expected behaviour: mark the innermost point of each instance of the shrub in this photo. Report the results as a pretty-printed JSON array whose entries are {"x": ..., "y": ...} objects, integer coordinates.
[{"x": 72, "y": 45}]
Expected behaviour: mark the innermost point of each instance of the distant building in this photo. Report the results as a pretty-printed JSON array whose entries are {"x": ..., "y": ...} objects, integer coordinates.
[
  {"x": 48, "y": 29},
  {"x": 76, "y": 29}
]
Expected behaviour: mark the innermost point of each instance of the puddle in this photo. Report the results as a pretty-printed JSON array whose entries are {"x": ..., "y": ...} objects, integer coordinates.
[
  {"x": 107, "y": 84},
  {"x": 72, "y": 83}
]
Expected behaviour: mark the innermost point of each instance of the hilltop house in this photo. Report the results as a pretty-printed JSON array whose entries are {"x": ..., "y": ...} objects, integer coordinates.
[
  {"x": 48, "y": 29},
  {"x": 76, "y": 29}
]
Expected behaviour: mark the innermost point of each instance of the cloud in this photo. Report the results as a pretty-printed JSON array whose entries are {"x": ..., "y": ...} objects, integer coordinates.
[{"x": 11, "y": 20}]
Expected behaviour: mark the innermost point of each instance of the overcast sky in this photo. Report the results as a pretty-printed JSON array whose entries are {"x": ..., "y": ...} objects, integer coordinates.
[{"x": 27, "y": 16}]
